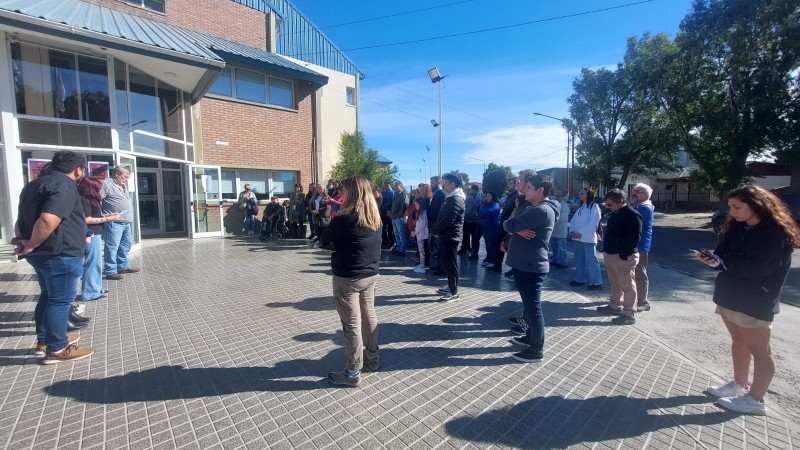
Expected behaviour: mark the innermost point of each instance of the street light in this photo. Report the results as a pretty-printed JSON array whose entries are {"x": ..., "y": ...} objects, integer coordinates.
[
  {"x": 563, "y": 123},
  {"x": 437, "y": 78},
  {"x": 484, "y": 163}
]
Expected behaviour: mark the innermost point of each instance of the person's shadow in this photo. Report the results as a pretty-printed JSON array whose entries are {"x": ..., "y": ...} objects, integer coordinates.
[{"x": 557, "y": 422}]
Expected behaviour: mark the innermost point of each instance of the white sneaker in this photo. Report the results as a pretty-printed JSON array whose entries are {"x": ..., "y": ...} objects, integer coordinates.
[
  {"x": 744, "y": 404},
  {"x": 726, "y": 390},
  {"x": 449, "y": 298},
  {"x": 419, "y": 269}
]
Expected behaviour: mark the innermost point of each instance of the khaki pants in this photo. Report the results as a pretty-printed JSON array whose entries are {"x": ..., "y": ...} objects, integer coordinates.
[
  {"x": 355, "y": 303},
  {"x": 642, "y": 280},
  {"x": 622, "y": 276}
]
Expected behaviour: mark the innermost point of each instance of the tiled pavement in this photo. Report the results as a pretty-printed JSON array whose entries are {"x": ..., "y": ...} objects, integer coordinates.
[{"x": 225, "y": 343}]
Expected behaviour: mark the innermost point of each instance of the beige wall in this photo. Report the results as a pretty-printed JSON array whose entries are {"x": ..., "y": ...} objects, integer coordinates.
[{"x": 334, "y": 116}]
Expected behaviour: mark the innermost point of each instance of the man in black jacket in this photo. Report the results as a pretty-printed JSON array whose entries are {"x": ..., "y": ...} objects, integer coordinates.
[
  {"x": 449, "y": 228},
  {"x": 621, "y": 255},
  {"x": 433, "y": 213}
]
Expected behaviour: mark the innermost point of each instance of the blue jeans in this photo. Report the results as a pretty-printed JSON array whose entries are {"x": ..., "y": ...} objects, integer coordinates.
[
  {"x": 118, "y": 244},
  {"x": 587, "y": 266},
  {"x": 490, "y": 235},
  {"x": 58, "y": 281},
  {"x": 529, "y": 286},
  {"x": 436, "y": 244},
  {"x": 559, "y": 248},
  {"x": 248, "y": 219},
  {"x": 311, "y": 223},
  {"x": 93, "y": 269},
  {"x": 400, "y": 234}
]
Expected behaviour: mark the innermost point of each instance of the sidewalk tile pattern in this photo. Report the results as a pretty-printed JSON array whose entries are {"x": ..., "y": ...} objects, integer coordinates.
[{"x": 225, "y": 343}]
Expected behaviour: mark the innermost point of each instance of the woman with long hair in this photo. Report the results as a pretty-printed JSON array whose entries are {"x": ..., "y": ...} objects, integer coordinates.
[
  {"x": 753, "y": 259},
  {"x": 89, "y": 191},
  {"x": 583, "y": 232},
  {"x": 356, "y": 236},
  {"x": 420, "y": 232},
  {"x": 489, "y": 213}
]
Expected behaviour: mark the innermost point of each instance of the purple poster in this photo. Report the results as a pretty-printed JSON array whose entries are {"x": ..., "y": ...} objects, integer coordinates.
[{"x": 35, "y": 168}]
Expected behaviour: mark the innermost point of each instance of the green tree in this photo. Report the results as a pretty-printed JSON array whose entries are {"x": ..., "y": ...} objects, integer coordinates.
[
  {"x": 355, "y": 158},
  {"x": 728, "y": 85},
  {"x": 495, "y": 181},
  {"x": 493, "y": 167},
  {"x": 463, "y": 175}
]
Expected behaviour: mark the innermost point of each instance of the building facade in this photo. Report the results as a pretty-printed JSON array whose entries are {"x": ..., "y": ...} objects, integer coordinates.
[{"x": 190, "y": 95}]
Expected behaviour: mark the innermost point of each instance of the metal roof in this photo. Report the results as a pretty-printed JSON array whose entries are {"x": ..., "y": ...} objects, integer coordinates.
[
  {"x": 264, "y": 6},
  {"x": 101, "y": 23}
]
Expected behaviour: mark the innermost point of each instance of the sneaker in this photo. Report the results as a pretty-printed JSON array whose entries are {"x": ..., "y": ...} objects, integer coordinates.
[
  {"x": 623, "y": 319},
  {"x": 520, "y": 340},
  {"x": 517, "y": 320},
  {"x": 576, "y": 283},
  {"x": 342, "y": 379},
  {"x": 419, "y": 269},
  {"x": 744, "y": 404},
  {"x": 70, "y": 353},
  {"x": 444, "y": 290},
  {"x": 510, "y": 274},
  {"x": 520, "y": 329},
  {"x": 372, "y": 364},
  {"x": 605, "y": 309},
  {"x": 80, "y": 307},
  {"x": 528, "y": 356},
  {"x": 730, "y": 389},
  {"x": 41, "y": 347},
  {"x": 447, "y": 298},
  {"x": 594, "y": 287},
  {"x": 645, "y": 307}
]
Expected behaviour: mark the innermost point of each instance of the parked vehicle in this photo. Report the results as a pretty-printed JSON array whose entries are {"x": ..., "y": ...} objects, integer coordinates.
[{"x": 791, "y": 199}]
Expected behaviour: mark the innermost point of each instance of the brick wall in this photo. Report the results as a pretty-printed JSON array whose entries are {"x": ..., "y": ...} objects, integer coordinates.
[
  {"x": 260, "y": 137},
  {"x": 222, "y": 18}
]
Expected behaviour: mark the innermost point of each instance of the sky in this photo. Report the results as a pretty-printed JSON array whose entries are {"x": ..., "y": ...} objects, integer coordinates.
[{"x": 495, "y": 80}]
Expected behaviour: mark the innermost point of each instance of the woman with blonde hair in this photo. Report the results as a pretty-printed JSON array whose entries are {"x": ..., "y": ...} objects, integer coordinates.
[
  {"x": 753, "y": 259},
  {"x": 356, "y": 236}
]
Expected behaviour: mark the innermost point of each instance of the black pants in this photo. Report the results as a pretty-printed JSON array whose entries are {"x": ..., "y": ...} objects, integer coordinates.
[
  {"x": 387, "y": 232},
  {"x": 500, "y": 254},
  {"x": 320, "y": 230},
  {"x": 449, "y": 260},
  {"x": 427, "y": 247},
  {"x": 468, "y": 242}
]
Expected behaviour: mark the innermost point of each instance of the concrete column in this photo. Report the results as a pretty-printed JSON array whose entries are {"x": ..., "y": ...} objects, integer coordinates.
[{"x": 12, "y": 180}]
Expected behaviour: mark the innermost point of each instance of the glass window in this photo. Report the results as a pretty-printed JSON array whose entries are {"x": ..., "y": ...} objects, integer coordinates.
[
  {"x": 283, "y": 183},
  {"x": 93, "y": 78},
  {"x": 143, "y": 100},
  {"x": 351, "y": 96},
  {"x": 187, "y": 116},
  {"x": 155, "y": 5},
  {"x": 121, "y": 92},
  {"x": 169, "y": 101},
  {"x": 223, "y": 84},
  {"x": 64, "y": 85},
  {"x": 229, "y": 185},
  {"x": 250, "y": 86},
  {"x": 281, "y": 93},
  {"x": 258, "y": 181}
]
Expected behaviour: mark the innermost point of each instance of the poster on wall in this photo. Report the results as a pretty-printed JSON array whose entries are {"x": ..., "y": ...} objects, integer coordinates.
[
  {"x": 144, "y": 185},
  {"x": 35, "y": 168},
  {"x": 98, "y": 170}
]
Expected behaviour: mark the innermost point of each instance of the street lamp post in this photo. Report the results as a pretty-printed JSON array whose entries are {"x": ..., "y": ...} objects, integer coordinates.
[
  {"x": 484, "y": 164},
  {"x": 563, "y": 121},
  {"x": 437, "y": 78}
]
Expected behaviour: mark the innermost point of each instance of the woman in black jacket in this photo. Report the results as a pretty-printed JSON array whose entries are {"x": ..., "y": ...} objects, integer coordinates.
[
  {"x": 753, "y": 257},
  {"x": 356, "y": 234}
]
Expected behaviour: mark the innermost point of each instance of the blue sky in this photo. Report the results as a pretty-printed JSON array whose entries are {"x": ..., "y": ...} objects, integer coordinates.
[{"x": 496, "y": 79}]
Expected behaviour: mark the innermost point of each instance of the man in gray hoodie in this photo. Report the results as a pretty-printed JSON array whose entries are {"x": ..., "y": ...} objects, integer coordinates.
[{"x": 527, "y": 254}]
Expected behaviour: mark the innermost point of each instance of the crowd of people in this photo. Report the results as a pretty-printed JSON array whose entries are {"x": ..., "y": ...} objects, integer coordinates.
[{"x": 65, "y": 218}]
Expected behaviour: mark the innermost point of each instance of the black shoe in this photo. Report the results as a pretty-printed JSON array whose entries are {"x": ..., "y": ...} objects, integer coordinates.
[
  {"x": 521, "y": 340},
  {"x": 605, "y": 309},
  {"x": 510, "y": 274},
  {"x": 516, "y": 320},
  {"x": 77, "y": 318},
  {"x": 576, "y": 283},
  {"x": 76, "y": 326},
  {"x": 643, "y": 307},
  {"x": 520, "y": 330},
  {"x": 623, "y": 319},
  {"x": 528, "y": 356},
  {"x": 594, "y": 287},
  {"x": 485, "y": 260},
  {"x": 473, "y": 256}
]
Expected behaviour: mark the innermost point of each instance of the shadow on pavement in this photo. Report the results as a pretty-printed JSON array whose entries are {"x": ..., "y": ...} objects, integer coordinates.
[{"x": 566, "y": 422}]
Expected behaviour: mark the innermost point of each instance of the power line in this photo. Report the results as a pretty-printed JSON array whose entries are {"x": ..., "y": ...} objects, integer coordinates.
[
  {"x": 485, "y": 30},
  {"x": 395, "y": 15}
]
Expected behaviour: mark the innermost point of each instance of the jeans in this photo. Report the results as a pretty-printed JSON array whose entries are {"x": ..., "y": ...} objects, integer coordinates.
[
  {"x": 468, "y": 241},
  {"x": 400, "y": 234},
  {"x": 559, "y": 247},
  {"x": 248, "y": 220},
  {"x": 529, "y": 286},
  {"x": 449, "y": 260},
  {"x": 118, "y": 244},
  {"x": 436, "y": 245},
  {"x": 311, "y": 223},
  {"x": 587, "y": 266},
  {"x": 490, "y": 235},
  {"x": 93, "y": 269},
  {"x": 58, "y": 281},
  {"x": 355, "y": 303}
]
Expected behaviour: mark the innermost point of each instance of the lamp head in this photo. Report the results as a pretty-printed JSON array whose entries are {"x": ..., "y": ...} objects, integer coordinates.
[
  {"x": 434, "y": 74},
  {"x": 434, "y": 123}
]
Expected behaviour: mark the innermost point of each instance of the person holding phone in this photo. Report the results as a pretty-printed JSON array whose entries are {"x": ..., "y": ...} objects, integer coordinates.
[
  {"x": 753, "y": 259},
  {"x": 117, "y": 200}
]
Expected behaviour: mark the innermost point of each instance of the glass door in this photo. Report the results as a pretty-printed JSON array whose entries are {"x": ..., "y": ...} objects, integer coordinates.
[
  {"x": 129, "y": 162},
  {"x": 206, "y": 200},
  {"x": 150, "y": 215}
]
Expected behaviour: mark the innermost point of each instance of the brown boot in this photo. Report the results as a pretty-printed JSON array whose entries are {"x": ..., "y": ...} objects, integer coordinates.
[{"x": 71, "y": 353}]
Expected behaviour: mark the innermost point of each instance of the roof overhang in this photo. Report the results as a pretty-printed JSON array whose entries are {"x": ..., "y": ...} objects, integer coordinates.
[{"x": 240, "y": 60}]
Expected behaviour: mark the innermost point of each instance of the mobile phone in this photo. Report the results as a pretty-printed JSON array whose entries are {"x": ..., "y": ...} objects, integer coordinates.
[{"x": 705, "y": 253}]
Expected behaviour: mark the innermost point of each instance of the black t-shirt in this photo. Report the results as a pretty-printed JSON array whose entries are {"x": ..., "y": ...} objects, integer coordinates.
[
  {"x": 89, "y": 211},
  {"x": 358, "y": 249},
  {"x": 55, "y": 194}
]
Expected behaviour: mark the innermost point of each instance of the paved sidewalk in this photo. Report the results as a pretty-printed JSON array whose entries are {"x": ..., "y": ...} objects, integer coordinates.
[{"x": 225, "y": 343}]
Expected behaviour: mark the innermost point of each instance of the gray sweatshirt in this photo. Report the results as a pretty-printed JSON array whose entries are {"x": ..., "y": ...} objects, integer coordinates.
[{"x": 530, "y": 255}]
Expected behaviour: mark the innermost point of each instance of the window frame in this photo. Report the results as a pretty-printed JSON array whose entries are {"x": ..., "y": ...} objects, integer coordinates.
[
  {"x": 350, "y": 96},
  {"x": 272, "y": 175},
  {"x": 232, "y": 80},
  {"x": 144, "y": 5}
]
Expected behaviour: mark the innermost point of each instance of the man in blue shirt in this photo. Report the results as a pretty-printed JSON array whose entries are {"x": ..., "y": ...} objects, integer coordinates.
[{"x": 640, "y": 201}]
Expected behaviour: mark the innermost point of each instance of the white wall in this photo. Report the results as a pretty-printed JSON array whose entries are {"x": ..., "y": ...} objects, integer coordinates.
[{"x": 335, "y": 115}]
